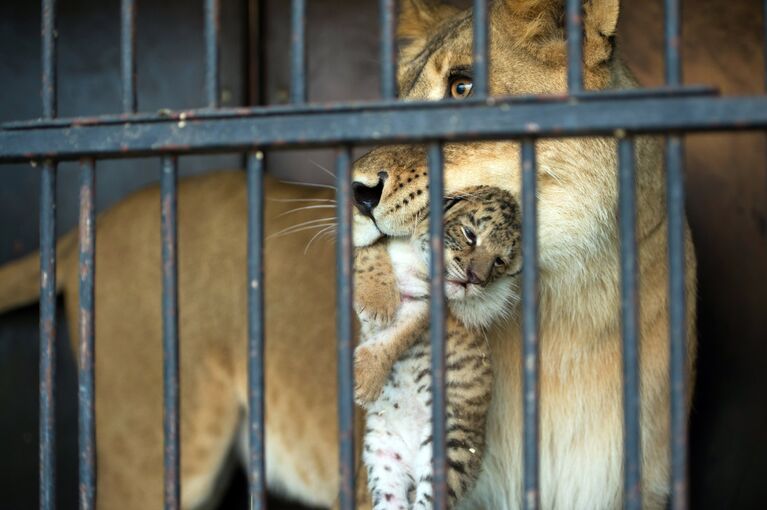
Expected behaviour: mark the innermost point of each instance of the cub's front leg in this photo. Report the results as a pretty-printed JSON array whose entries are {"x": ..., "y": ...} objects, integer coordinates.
[{"x": 376, "y": 295}]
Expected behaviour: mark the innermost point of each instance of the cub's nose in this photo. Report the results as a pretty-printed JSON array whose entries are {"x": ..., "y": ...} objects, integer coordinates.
[
  {"x": 473, "y": 277},
  {"x": 365, "y": 197}
]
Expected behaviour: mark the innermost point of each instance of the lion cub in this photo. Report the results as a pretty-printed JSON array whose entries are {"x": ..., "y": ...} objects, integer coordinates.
[{"x": 392, "y": 365}]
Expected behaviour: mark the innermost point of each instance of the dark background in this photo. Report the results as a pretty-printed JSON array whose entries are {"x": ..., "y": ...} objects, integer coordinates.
[{"x": 727, "y": 187}]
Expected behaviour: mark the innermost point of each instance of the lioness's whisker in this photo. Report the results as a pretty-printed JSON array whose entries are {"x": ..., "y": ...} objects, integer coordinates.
[
  {"x": 297, "y": 209},
  {"x": 290, "y": 228},
  {"x": 310, "y": 184},
  {"x": 315, "y": 236},
  {"x": 302, "y": 200},
  {"x": 322, "y": 168},
  {"x": 285, "y": 232}
]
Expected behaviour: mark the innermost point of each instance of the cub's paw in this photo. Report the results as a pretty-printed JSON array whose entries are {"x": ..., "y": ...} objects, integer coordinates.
[
  {"x": 377, "y": 307},
  {"x": 370, "y": 373}
]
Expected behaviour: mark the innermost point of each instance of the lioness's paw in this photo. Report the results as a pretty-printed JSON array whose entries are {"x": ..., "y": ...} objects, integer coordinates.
[
  {"x": 377, "y": 308},
  {"x": 370, "y": 373}
]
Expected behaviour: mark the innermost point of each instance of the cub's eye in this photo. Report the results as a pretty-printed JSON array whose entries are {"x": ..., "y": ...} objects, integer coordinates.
[
  {"x": 469, "y": 235},
  {"x": 499, "y": 262},
  {"x": 460, "y": 87}
]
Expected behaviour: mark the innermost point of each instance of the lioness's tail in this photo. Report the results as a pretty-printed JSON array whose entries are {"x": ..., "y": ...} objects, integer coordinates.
[{"x": 20, "y": 279}]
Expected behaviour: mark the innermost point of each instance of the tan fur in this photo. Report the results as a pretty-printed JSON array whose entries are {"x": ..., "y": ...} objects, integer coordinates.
[{"x": 580, "y": 365}]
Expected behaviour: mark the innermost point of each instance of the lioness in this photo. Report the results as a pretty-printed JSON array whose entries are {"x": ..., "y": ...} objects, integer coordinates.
[{"x": 581, "y": 417}]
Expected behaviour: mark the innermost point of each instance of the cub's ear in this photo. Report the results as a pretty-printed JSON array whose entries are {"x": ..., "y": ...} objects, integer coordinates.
[
  {"x": 540, "y": 25},
  {"x": 419, "y": 17}
]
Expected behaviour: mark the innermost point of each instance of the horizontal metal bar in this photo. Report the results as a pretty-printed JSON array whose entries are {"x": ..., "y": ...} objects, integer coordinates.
[
  {"x": 437, "y": 327},
  {"x": 345, "y": 327},
  {"x": 86, "y": 357},
  {"x": 438, "y": 121},
  {"x": 352, "y": 107}
]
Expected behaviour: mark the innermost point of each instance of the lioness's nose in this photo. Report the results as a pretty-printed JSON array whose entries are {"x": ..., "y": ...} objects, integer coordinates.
[{"x": 366, "y": 198}]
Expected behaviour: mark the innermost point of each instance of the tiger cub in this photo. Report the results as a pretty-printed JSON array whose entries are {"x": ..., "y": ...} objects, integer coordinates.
[{"x": 392, "y": 364}]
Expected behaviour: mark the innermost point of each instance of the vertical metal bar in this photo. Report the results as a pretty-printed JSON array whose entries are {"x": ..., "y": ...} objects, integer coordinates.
[
  {"x": 574, "y": 46},
  {"x": 85, "y": 375},
  {"x": 212, "y": 43},
  {"x": 48, "y": 271},
  {"x": 298, "y": 52},
  {"x": 255, "y": 56},
  {"x": 347, "y": 491},
  {"x": 764, "y": 36},
  {"x": 256, "y": 473},
  {"x": 170, "y": 332},
  {"x": 673, "y": 41},
  {"x": 677, "y": 326},
  {"x": 481, "y": 64},
  {"x": 531, "y": 354},
  {"x": 388, "y": 15},
  {"x": 437, "y": 321},
  {"x": 47, "y": 336},
  {"x": 128, "y": 54},
  {"x": 629, "y": 325}
]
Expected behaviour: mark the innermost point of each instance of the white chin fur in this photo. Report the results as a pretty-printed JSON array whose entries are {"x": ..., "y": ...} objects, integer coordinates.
[
  {"x": 480, "y": 310},
  {"x": 364, "y": 232}
]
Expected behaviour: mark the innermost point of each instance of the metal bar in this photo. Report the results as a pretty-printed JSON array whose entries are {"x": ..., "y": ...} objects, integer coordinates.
[
  {"x": 764, "y": 35},
  {"x": 49, "y": 92},
  {"x": 48, "y": 336},
  {"x": 255, "y": 56},
  {"x": 489, "y": 122},
  {"x": 437, "y": 325},
  {"x": 128, "y": 54},
  {"x": 170, "y": 332},
  {"x": 531, "y": 351},
  {"x": 629, "y": 326},
  {"x": 673, "y": 42},
  {"x": 480, "y": 45},
  {"x": 388, "y": 15},
  {"x": 574, "y": 46},
  {"x": 256, "y": 472},
  {"x": 678, "y": 323},
  {"x": 85, "y": 376},
  {"x": 298, "y": 52},
  {"x": 345, "y": 326},
  {"x": 212, "y": 52},
  {"x": 356, "y": 106}
]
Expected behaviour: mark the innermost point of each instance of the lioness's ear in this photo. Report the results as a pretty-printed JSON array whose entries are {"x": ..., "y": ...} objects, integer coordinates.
[
  {"x": 541, "y": 25},
  {"x": 419, "y": 17}
]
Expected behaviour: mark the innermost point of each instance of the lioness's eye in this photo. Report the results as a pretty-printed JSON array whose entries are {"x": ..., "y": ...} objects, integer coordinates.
[
  {"x": 460, "y": 87},
  {"x": 469, "y": 235},
  {"x": 499, "y": 262}
]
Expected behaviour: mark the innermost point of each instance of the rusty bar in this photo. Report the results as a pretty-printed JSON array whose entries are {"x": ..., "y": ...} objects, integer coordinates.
[
  {"x": 48, "y": 336},
  {"x": 128, "y": 55},
  {"x": 388, "y": 16},
  {"x": 574, "y": 46},
  {"x": 212, "y": 52},
  {"x": 437, "y": 328},
  {"x": 677, "y": 317},
  {"x": 345, "y": 326},
  {"x": 168, "y": 181},
  {"x": 86, "y": 365},
  {"x": 298, "y": 52},
  {"x": 530, "y": 346},
  {"x": 632, "y": 471},
  {"x": 480, "y": 48},
  {"x": 256, "y": 471}
]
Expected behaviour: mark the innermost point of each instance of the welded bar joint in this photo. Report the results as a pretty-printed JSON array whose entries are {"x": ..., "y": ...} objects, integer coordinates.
[
  {"x": 530, "y": 346},
  {"x": 345, "y": 329},
  {"x": 86, "y": 358},
  {"x": 256, "y": 472},
  {"x": 629, "y": 325},
  {"x": 168, "y": 182},
  {"x": 437, "y": 328}
]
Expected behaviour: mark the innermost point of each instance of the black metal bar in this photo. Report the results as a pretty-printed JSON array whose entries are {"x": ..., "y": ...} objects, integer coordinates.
[
  {"x": 212, "y": 52},
  {"x": 531, "y": 354},
  {"x": 574, "y": 46},
  {"x": 170, "y": 333},
  {"x": 489, "y": 122},
  {"x": 673, "y": 42},
  {"x": 49, "y": 89},
  {"x": 255, "y": 56},
  {"x": 629, "y": 326},
  {"x": 388, "y": 15},
  {"x": 678, "y": 323},
  {"x": 345, "y": 326},
  {"x": 480, "y": 46},
  {"x": 128, "y": 54},
  {"x": 298, "y": 52},
  {"x": 437, "y": 325},
  {"x": 256, "y": 472},
  {"x": 764, "y": 36},
  {"x": 356, "y": 106},
  {"x": 48, "y": 336},
  {"x": 85, "y": 376}
]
